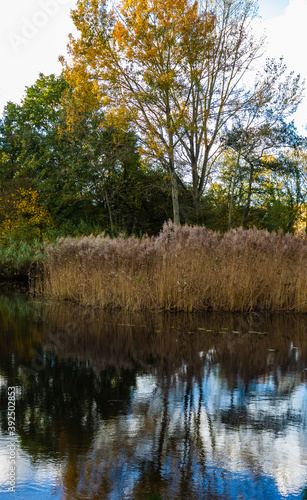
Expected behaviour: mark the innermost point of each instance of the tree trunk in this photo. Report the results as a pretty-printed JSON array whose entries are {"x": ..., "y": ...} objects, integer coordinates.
[
  {"x": 249, "y": 194},
  {"x": 196, "y": 208},
  {"x": 110, "y": 212},
  {"x": 175, "y": 198},
  {"x": 195, "y": 187},
  {"x": 233, "y": 190},
  {"x": 171, "y": 168}
]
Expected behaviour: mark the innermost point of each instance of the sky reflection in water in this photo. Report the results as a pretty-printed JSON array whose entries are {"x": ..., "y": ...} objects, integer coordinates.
[{"x": 121, "y": 406}]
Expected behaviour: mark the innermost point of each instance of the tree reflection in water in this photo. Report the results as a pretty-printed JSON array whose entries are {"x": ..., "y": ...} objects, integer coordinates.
[{"x": 190, "y": 407}]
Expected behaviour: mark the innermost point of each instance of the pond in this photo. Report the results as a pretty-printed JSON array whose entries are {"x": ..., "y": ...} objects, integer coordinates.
[{"x": 101, "y": 405}]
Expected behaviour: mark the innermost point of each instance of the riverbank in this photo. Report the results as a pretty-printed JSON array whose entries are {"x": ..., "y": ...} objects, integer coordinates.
[{"x": 184, "y": 268}]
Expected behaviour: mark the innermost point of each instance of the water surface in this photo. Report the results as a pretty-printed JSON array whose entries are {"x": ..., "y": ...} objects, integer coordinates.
[{"x": 139, "y": 406}]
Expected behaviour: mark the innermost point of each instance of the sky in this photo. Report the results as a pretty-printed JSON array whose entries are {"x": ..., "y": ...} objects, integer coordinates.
[{"x": 33, "y": 33}]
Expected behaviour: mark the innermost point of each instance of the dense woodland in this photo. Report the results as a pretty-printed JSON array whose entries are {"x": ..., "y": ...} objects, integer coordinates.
[{"x": 163, "y": 110}]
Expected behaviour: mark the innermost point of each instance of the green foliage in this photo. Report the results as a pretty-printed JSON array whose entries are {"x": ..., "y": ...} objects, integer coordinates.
[
  {"x": 18, "y": 257},
  {"x": 88, "y": 174}
]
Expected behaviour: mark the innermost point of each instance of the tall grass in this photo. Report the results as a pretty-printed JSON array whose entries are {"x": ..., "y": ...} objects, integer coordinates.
[
  {"x": 17, "y": 258},
  {"x": 183, "y": 268}
]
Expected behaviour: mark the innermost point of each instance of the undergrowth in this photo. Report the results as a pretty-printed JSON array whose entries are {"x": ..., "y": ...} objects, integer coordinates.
[{"x": 18, "y": 257}]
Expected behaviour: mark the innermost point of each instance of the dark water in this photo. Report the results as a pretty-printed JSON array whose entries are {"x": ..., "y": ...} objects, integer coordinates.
[{"x": 122, "y": 406}]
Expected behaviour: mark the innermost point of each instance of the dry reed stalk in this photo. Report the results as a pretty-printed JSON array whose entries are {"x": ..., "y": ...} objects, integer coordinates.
[{"x": 186, "y": 268}]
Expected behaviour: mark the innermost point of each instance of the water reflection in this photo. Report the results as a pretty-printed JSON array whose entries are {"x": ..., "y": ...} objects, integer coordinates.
[{"x": 122, "y": 406}]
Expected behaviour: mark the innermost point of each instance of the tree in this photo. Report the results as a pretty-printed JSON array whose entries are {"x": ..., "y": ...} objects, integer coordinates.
[
  {"x": 22, "y": 215},
  {"x": 262, "y": 127},
  {"x": 177, "y": 71},
  {"x": 282, "y": 191},
  {"x": 162, "y": 63},
  {"x": 30, "y": 142},
  {"x": 262, "y": 172},
  {"x": 138, "y": 50},
  {"x": 87, "y": 172}
]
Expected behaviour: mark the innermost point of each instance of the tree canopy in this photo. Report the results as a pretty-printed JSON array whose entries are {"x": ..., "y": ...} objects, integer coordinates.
[
  {"x": 159, "y": 111},
  {"x": 179, "y": 73}
]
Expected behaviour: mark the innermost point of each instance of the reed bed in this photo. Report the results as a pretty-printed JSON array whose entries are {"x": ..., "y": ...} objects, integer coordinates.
[
  {"x": 17, "y": 258},
  {"x": 187, "y": 268}
]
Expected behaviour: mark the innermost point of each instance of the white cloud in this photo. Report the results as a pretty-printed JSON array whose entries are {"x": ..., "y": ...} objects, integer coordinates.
[
  {"x": 287, "y": 37},
  {"x": 33, "y": 33}
]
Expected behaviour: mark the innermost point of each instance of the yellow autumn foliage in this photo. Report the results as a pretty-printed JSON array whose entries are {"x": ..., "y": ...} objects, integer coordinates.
[{"x": 22, "y": 214}]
